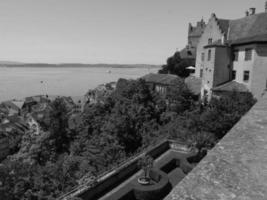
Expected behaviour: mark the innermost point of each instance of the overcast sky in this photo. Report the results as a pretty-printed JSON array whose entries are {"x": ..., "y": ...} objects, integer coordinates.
[{"x": 104, "y": 31}]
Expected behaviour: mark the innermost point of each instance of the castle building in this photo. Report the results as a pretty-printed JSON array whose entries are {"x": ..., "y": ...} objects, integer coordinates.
[
  {"x": 232, "y": 54},
  {"x": 194, "y": 34}
]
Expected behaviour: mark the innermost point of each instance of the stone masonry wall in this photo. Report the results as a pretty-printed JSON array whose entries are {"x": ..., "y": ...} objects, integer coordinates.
[{"x": 236, "y": 168}]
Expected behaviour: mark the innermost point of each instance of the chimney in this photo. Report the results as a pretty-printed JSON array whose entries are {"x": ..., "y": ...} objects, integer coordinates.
[
  {"x": 247, "y": 13},
  {"x": 252, "y": 11},
  {"x": 265, "y": 6}
]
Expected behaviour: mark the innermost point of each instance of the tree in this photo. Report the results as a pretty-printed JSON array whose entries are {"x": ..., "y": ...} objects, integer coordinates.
[
  {"x": 16, "y": 179},
  {"x": 130, "y": 119},
  {"x": 176, "y": 65},
  {"x": 59, "y": 125},
  {"x": 222, "y": 113},
  {"x": 179, "y": 97}
]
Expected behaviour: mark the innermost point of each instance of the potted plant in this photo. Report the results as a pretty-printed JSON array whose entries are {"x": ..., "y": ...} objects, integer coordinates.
[{"x": 145, "y": 163}]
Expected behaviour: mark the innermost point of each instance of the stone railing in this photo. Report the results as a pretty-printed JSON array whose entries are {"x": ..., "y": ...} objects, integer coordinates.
[{"x": 236, "y": 168}]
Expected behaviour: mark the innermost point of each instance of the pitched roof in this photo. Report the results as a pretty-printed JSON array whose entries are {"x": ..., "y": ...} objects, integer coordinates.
[
  {"x": 10, "y": 105},
  {"x": 252, "y": 39},
  {"x": 165, "y": 79},
  {"x": 19, "y": 104},
  {"x": 194, "y": 84},
  {"x": 231, "y": 86},
  {"x": 250, "y": 27},
  {"x": 37, "y": 98}
]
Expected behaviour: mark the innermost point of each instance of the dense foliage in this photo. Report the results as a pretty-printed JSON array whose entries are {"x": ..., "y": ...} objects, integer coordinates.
[
  {"x": 204, "y": 125},
  {"x": 131, "y": 118},
  {"x": 176, "y": 65}
]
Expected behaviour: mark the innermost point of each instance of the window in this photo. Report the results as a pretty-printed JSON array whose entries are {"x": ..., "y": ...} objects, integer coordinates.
[
  {"x": 210, "y": 41},
  {"x": 201, "y": 73},
  {"x": 202, "y": 56},
  {"x": 246, "y": 76},
  {"x": 233, "y": 75},
  {"x": 248, "y": 54},
  {"x": 209, "y": 55},
  {"x": 236, "y": 53}
]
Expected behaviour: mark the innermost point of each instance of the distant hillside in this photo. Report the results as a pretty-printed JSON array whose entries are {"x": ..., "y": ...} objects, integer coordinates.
[
  {"x": 5, "y": 62},
  {"x": 17, "y": 64}
]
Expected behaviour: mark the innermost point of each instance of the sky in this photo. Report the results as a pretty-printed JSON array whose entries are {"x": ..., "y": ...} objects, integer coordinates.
[{"x": 105, "y": 31}]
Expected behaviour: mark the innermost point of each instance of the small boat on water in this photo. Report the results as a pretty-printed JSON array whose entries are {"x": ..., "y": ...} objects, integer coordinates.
[{"x": 109, "y": 71}]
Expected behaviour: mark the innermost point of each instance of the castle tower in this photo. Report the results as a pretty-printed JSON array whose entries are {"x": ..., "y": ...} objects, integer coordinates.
[{"x": 195, "y": 32}]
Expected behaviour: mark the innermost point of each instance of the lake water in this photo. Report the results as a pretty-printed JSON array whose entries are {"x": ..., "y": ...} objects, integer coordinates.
[{"x": 20, "y": 82}]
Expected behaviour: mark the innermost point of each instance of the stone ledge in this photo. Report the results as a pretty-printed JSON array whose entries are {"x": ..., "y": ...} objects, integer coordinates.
[{"x": 236, "y": 168}]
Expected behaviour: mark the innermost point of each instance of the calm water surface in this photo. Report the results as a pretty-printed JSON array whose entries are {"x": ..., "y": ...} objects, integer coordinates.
[{"x": 21, "y": 82}]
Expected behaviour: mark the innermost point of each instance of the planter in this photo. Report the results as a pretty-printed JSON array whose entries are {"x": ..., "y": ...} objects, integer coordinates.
[
  {"x": 143, "y": 180},
  {"x": 158, "y": 188}
]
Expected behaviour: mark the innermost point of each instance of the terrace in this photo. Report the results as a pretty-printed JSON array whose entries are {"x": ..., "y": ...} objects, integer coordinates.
[
  {"x": 234, "y": 169},
  {"x": 172, "y": 162}
]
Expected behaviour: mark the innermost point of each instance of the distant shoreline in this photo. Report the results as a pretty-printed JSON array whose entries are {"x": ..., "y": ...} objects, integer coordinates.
[{"x": 38, "y": 65}]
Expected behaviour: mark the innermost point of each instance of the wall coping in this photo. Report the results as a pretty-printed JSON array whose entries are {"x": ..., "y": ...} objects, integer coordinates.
[{"x": 236, "y": 168}]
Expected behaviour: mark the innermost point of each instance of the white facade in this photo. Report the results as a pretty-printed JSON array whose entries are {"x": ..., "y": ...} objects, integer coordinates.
[{"x": 241, "y": 65}]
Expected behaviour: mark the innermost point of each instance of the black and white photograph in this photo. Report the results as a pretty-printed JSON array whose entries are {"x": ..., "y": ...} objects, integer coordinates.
[{"x": 133, "y": 100}]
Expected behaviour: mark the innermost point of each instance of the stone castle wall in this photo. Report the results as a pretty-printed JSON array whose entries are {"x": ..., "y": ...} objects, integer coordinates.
[{"x": 236, "y": 168}]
